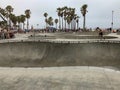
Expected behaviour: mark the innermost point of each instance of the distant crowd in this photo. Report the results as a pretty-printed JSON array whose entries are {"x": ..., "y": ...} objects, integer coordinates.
[{"x": 6, "y": 34}]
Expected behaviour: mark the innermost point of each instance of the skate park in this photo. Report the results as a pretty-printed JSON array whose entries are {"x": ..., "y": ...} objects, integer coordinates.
[
  {"x": 60, "y": 61},
  {"x": 63, "y": 52}
]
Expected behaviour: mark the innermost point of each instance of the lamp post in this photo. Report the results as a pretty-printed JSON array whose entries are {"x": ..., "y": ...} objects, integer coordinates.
[{"x": 112, "y": 21}]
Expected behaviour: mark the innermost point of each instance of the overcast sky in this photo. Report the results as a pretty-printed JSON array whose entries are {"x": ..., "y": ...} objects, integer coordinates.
[{"x": 99, "y": 11}]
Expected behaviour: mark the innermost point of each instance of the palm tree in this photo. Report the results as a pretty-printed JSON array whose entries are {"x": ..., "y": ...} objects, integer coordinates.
[
  {"x": 13, "y": 18},
  {"x": 71, "y": 16},
  {"x": 23, "y": 20},
  {"x": 27, "y": 13},
  {"x": 65, "y": 14},
  {"x": 75, "y": 18},
  {"x": 77, "y": 21},
  {"x": 2, "y": 11},
  {"x": 2, "y": 14},
  {"x": 84, "y": 11},
  {"x": 45, "y": 15},
  {"x": 18, "y": 20},
  {"x": 9, "y": 10},
  {"x": 68, "y": 21},
  {"x": 56, "y": 21},
  {"x": 59, "y": 14},
  {"x": 50, "y": 21}
]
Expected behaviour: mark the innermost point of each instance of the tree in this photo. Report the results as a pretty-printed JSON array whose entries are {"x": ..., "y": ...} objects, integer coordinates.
[
  {"x": 13, "y": 18},
  {"x": 68, "y": 17},
  {"x": 23, "y": 20},
  {"x": 50, "y": 21},
  {"x": 59, "y": 14},
  {"x": 83, "y": 12},
  {"x": 3, "y": 12},
  {"x": 4, "y": 15},
  {"x": 45, "y": 15},
  {"x": 18, "y": 20},
  {"x": 65, "y": 8},
  {"x": 56, "y": 21},
  {"x": 27, "y": 13},
  {"x": 9, "y": 10},
  {"x": 68, "y": 21},
  {"x": 77, "y": 21}
]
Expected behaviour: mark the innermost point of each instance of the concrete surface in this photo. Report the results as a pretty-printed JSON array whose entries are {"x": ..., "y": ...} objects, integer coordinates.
[
  {"x": 45, "y": 54},
  {"x": 64, "y": 78}
]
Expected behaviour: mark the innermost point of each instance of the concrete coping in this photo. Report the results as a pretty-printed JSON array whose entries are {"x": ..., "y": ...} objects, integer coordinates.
[{"x": 62, "y": 41}]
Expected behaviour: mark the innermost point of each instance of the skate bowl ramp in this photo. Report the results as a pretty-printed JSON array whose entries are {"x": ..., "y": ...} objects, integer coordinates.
[
  {"x": 59, "y": 78},
  {"x": 48, "y": 54}
]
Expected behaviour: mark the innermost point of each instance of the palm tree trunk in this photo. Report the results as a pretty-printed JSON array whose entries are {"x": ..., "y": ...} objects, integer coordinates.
[
  {"x": 56, "y": 25},
  {"x": 75, "y": 25},
  {"x": 69, "y": 26},
  {"x": 9, "y": 23},
  {"x": 59, "y": 23},
  {"x": 84, "y": 23},
  {"x": 27, "y": 24},
  {"x": 78, "y": 24},
  {"x": 62, "y": 23},
  {"x": 2, "y": 17},
  {"x": 46, "y": 23},
  {"x": 23, "y": 26},
  {"x": 65, "y": 24},
  {"x": 19, "y": 26}
]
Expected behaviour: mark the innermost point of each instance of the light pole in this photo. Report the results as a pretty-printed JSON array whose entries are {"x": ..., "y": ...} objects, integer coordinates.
[{"x": 112, "y": 21}]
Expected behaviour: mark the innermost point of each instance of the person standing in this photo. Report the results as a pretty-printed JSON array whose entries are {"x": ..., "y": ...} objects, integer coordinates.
[
  {"x": 100, "y": 34},
  {"x": 2, "y": 34}
]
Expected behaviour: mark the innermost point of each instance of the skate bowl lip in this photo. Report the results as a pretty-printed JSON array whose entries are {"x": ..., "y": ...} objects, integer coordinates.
[
  {"x": 106, "y": 68},
  {"x": 60, "y": 40}
]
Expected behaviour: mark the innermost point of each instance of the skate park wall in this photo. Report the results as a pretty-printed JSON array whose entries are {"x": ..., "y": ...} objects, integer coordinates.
[{"x": 48, "y": 54}]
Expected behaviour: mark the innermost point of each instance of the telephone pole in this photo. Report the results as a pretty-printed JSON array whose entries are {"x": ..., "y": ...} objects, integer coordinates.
[{"x": 112, "y": 21}]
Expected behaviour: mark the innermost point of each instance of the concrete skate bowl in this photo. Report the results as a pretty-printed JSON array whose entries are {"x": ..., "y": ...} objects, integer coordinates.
[
  {"x": 88, "y": 37},
  {"x": 70, "y": 36},
  {"x": 48, "y": 54}
]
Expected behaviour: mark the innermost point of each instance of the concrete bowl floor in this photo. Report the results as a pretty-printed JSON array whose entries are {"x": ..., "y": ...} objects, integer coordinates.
[
  {"x": 59, "y": 78},
  {"x": 68, "y": 36}
]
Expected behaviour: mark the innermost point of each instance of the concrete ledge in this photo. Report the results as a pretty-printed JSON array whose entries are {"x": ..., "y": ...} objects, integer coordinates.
[{"x": 62, "y": 41}]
